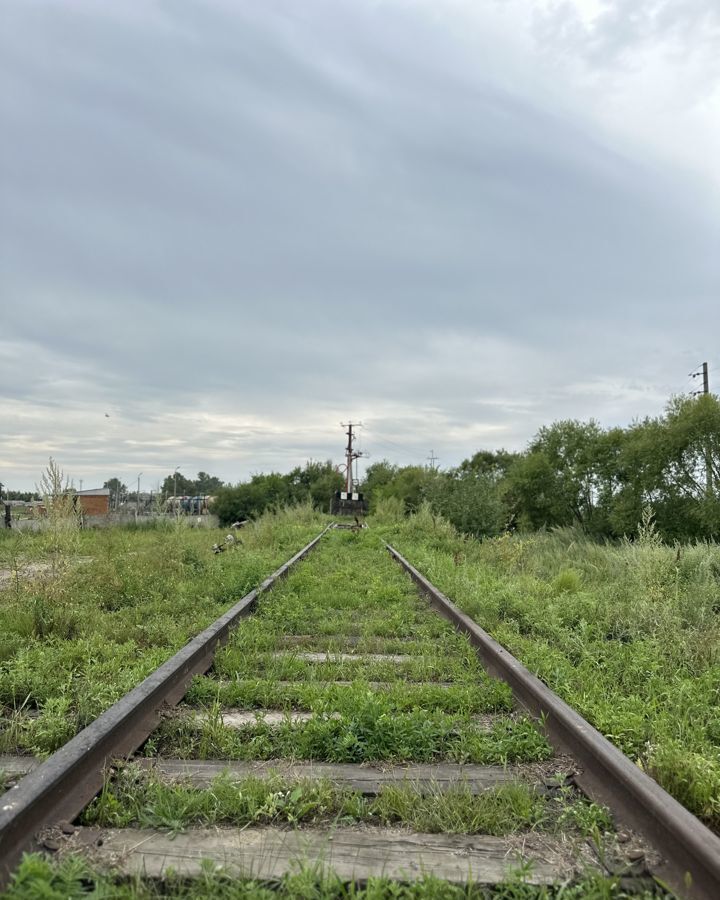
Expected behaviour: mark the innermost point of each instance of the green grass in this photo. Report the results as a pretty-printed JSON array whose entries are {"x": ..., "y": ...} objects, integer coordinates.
[
  {"x": 138, "y": 798},
  {"x": 75, "y": 639},
  {"x": 74, "y": 879},
  {"x": 628, "y": 634},
  {"x": 435, "y": 665},
  {"x": 366, "y": 733},
  {"x": 394, "y": 696},
  {"x": 405, "y": 721},
  {"x": 74, "y": 642}
]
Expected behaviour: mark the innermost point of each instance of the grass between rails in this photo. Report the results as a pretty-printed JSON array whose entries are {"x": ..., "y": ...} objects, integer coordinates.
[
  {"x": 393, "y": 696},
  {"x": 138, "y": 798},
  {"x": 436, "y": 665},
  {"x": 366, "y": 734},
  {"x": 371, "y": 729},
  {"x": 356, "y": 723},
  {"x": 75, "y": 640},
  {"x": 351, "y": 569},
  {"x": 628, "y": 634},
  {"x": 74, "y": 879}
]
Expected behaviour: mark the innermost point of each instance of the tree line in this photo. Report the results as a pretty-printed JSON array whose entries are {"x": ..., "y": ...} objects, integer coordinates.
[
  {"x": 174, "y": 485},
  {"x": 572, "y": 473},
  {"x": 314, "y": 483},
  {"x": 579, "y": 474}
]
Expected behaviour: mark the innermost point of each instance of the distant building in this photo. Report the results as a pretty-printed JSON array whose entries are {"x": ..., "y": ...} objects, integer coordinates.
[{"x": 95, "y": 502}]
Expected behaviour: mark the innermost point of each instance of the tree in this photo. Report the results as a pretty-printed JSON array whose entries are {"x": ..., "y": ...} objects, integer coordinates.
[
  {"x": 672, "y": 463},
  {"x": 557, "y": 481},
  {"x": 250, "y": 499},
  {"x": 495, "y": 463},
  {"x": 207, "y": 484},
  {"x": 377, "y": 477},
  {"x": 406, "y": 483},
  {"x": 118, "y": 490},
  {"x": 185, "y": 486},
  {"x": 471, "y": 500},
  {"x": 315, "y": 482},
  {"x": 26, "y": 496}
]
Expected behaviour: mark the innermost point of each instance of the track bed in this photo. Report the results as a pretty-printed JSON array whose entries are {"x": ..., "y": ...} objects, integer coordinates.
[{"x": 346, "y": 728}]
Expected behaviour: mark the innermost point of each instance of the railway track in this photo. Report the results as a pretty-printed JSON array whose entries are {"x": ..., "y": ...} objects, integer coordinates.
[{"x": 345, "y": 723}]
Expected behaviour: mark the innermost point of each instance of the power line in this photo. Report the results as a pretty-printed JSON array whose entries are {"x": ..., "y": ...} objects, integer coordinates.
[
  {"x": 392, "y": 445},
  {"x": 705, "y": 377}
]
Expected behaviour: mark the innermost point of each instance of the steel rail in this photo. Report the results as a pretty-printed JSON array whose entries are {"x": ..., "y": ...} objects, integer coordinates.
[
  {"x": 66, "y": 782},
  {"x": 691, "y": 864}
]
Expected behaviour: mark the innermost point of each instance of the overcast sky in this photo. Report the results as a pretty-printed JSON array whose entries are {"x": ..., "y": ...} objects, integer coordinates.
[{"x": 228, "y": 225}]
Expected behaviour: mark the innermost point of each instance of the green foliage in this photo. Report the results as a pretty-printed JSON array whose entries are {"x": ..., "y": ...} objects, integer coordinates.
[
  {"x": 353, "y": 722},
  {"x": 395, "y": 696},
  {"x": 628, "y": 634},
  {"x": 365, "y": 734},
  {"x": 84, "y": 620},
  {"x": 60, "y": 509},
  {"x": 118, "y": 490},
  {"x": 315, "y": 484},
  {"x": 406, "y": 484},
  {"x": 138, "y": 798},
  {"x": 575, "y": 473},
  {"x": 177, "y": 484},
  {"x": 470, "y": 499},
  {"x": 72, "y": 878}
]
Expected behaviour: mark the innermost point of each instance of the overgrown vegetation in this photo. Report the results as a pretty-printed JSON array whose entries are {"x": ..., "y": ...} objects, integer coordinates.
[
  {"x": 74, "y": 879},
  {"x": 579, "y": 474},
  {"x": 628, "y": 634},
  {"x": 85, "y": 615},
  {"x": 350, "y": 579},
  {"x": 138, "y": 798},
  {"x": 362, "y": 733},
  {"x": 315, "y": 483}
]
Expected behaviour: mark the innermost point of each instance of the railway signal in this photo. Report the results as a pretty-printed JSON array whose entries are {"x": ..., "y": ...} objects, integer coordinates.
[{"x": 349, "y": 502}]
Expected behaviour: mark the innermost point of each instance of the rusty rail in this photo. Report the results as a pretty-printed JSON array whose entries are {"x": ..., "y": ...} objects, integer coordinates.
[
  {"x": 692, "y": 852},
  {"x": 66, "y": 782}
]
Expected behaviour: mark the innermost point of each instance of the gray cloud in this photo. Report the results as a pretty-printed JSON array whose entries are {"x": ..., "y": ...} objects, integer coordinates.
[{"x": 232, "y": 225}]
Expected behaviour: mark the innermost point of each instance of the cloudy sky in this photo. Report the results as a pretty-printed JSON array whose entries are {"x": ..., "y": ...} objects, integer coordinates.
[{"x": 228, "y": 225}]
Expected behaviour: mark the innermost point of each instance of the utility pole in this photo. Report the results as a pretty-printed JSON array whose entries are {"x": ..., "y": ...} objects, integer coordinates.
[
  {"x": 433, "y": 459},
  {"x": 137, "y": 499},
  {"x": 350, "y": 455},
  {"x": 705, "y": 378},
  {"x": 708, "y": 451},
  {"x": 8, "y": 513}
]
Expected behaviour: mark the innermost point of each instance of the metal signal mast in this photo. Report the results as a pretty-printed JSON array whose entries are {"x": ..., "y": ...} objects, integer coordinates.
[
  {"x": 349, "y": 502},
  {"x": 350, "y": 454}
]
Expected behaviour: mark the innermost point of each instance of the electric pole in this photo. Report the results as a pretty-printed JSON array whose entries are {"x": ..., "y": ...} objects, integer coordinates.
[
  {"x": 350, "y": 454},
  {"x": 708, "y": 451},
  {"x": 433, "y": 459},
  {"x": 705, "y": 377}
]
